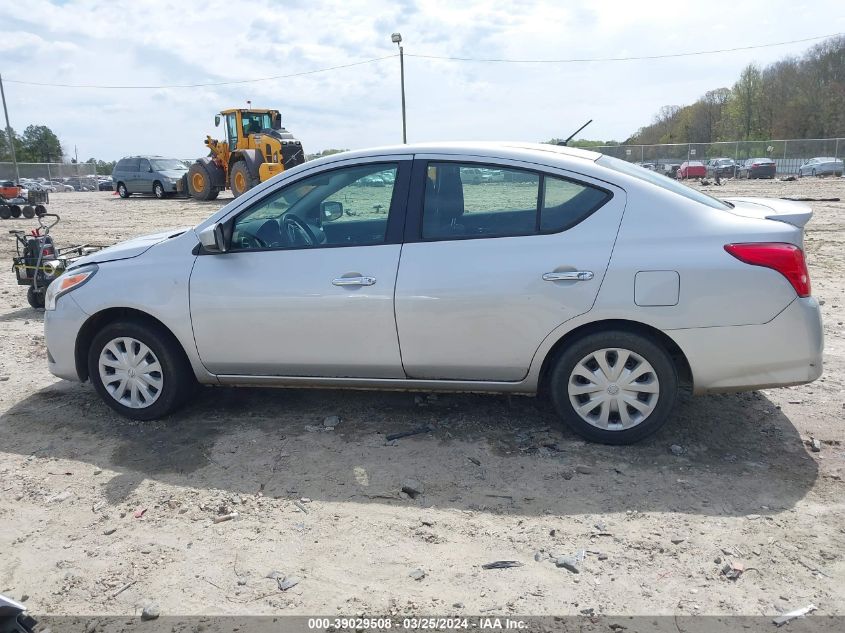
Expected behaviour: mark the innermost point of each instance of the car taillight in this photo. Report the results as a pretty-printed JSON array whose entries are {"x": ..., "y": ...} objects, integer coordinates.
[{"x": 787, "y": 259}]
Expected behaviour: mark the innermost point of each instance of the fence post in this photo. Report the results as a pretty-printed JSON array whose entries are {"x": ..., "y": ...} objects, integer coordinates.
[
  {"x": 49, "y": 177},
  {"x": 836, "y": 149}
]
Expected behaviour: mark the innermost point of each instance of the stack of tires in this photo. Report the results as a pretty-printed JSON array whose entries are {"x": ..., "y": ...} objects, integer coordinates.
[{"x": 8, "y": 211}]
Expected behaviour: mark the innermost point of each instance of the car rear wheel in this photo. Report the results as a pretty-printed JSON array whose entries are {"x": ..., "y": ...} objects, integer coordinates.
[
  {"x": 614, "y": 387},
  {"x": 122, "y": 191},
  {"x": 139, "y": 370}
]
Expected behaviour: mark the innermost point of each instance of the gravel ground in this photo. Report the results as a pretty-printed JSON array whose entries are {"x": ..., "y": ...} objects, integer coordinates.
[{"x": 95, "y": 502}]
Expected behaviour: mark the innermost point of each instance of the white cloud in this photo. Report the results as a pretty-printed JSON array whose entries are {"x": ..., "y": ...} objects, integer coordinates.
[{"x": 158, "y": 42}]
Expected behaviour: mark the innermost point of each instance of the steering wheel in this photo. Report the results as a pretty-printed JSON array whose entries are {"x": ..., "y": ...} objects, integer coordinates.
[
  {"x": 297, "y": 231},
  {"x": 250, "y": 241}
]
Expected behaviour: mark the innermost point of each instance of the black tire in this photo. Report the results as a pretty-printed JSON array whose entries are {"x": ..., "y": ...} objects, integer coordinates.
[
  {"x": 40, "y": 210},
  {"x": 15, "y": 210},
  {"x": 28, "y": 211},
  {"x": 158, "y": 190},
  {"x": 5, "y": 212},
  {"x": 200, "y": 183},
  {"x": 178, "y": 378},
  {"x": 652, "y": 352},
  {"x": 122, "y": 191},
  {"x": 35, "y": 299},
  {"x": 240, "y": 180}
]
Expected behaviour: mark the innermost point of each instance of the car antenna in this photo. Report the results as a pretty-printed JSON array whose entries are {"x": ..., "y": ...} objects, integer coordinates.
[{"x": 571, "y": 136}]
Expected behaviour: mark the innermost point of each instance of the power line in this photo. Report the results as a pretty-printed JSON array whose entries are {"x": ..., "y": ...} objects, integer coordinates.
[
  {"x": 575, "y": 60},
  {"x": 202, "y": 85}
]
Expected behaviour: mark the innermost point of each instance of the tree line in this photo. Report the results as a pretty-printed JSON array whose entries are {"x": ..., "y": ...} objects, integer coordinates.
[
  {"x": 796, "y": 97},
  {"x": 39, "y": 144}
]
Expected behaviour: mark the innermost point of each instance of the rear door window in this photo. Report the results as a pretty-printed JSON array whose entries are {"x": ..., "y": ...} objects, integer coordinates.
[{"x": 466, "y": 200}]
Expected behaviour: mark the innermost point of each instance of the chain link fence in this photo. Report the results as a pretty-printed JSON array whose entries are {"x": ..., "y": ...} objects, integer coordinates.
[
  {"x": 788, "y": 154},
  {"x": 49, "y": 171}
]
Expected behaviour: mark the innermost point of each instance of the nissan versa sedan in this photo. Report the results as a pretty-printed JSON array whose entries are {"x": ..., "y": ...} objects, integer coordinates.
[{"x": 475, "y": 267}]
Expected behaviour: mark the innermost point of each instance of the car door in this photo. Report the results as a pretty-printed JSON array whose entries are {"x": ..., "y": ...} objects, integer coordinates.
[
  {"x": 490, "y": 267},
  {"x": 143, "y": 182},
  {"x": 306, "y": 288}
]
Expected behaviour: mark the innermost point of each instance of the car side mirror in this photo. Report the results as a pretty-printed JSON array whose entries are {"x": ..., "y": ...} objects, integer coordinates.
[
  {"x": 216, "y": 120},
  {"x": 330, "y": 210},
  {"x": 213, "y": 240}
]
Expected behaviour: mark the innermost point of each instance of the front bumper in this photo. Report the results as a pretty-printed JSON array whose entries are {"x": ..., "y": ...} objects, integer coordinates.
[
  {"x": 785, "y": 351},
  {"x": 61, "y": 328}
]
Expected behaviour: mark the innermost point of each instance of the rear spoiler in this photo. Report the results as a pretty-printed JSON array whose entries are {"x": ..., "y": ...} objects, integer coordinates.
[{"x": 787, "y": 211}]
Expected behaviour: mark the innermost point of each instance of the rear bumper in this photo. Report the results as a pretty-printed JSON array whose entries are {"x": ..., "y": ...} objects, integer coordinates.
[
  {"x": 785, "y": 351},
  {"x": 61, "y": 328}
]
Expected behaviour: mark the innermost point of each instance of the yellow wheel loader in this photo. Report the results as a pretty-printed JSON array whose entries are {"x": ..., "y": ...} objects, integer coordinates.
[{"x": 256, "y": 148}]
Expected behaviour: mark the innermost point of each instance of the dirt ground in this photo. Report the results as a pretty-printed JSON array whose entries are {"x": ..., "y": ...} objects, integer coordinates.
[{"x": 94, "y": 502}]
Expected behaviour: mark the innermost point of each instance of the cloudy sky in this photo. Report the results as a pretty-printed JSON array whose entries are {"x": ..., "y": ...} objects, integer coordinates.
[{"x": 168, "y": 42}]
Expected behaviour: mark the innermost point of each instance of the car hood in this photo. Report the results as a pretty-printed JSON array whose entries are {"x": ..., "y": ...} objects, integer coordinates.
[
  {"x": 128, "y": 249},
  {"x": 791, "y": 212}
]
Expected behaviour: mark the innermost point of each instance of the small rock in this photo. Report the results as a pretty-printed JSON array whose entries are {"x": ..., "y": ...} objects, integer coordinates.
[
  {"x": 538, "y": 556},
  {"x": 331, "y": 421},
  {"x": 428, "y": 522},
  {"x": 602, "y": 556},
  {"x": 98, "y": 471},
  {"x": 24, "y": 597},
  {"x": 677, "y": 449},
  {"x": 275, "y": 575},
  {"x": 62, "y": 496},
  {"x": 718, "y": 560},
  {"x": 109, "y": 531},
  {"x": 584, "y": 470},
  {"x": 815, "y": 445},
  {"x": 417, "y": 574},
  {"x": 677, "y": 540},
  {"x": 552, "y": 532},
  {"x": 412, "y": 488},
  {"x": 568, "y": 562},
  {"x": 150, "y": 611},
  {"x": 241, "y": 582},
  {"x": 458, "y": 605},
  {"x": 288, "y": 583},
  {"x": 4, "y": 378}
]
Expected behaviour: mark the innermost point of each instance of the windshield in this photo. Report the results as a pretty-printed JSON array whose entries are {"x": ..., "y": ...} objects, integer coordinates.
[
  {"x": 168, "y": 164},
  {"x": 658, "y": 179}
]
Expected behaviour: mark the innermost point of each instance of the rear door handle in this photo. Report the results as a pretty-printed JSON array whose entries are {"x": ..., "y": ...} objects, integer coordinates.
[
  {"x": 354, "y": 281},
  {"x": 569, "y": 275}
]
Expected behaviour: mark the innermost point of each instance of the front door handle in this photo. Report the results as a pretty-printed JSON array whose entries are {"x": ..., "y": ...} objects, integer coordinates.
[
  {"x": 354, "y": 281},
  {"x": 569, "y": 275}
]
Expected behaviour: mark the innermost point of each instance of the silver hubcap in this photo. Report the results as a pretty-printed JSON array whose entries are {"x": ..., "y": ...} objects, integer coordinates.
[
  {"x": 130, "y": 372},
  {"x": 613, "y": 389}
]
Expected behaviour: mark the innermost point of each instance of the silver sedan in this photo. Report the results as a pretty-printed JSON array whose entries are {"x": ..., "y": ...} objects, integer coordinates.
[
  {"x": 821, "y": 166},
  {"x": 476, "y": 267}
]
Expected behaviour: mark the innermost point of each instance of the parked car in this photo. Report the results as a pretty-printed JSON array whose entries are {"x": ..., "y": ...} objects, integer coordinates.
[
  {"x": 147, "y": 174},
  {"x": 669, "y": 169},
  {"x": 722, "y": 167},
  {"x": 757, "y": 168},
  {"x": 105, "y": 185},
  {"x": 691, "y": 169},
  {"x": 822, "y": 166},
  {"x": 62, "y": 186},
  {"x": 494, "y": 291}
]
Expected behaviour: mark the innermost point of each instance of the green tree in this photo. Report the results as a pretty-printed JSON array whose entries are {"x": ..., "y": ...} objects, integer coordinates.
[{"x": 40, "y": 145}]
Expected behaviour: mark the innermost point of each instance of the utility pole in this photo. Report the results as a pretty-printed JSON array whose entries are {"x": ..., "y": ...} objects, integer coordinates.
[
  {"x": 10, "y": 134},
  {"x": 396, "y": 38}
]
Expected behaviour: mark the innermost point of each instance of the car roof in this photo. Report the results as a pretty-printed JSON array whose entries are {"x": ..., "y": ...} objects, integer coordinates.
[{"x": 493, "y": 149}]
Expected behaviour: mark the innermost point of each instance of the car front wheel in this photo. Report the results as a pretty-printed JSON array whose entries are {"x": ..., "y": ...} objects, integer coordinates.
[
  {"x": 158, "y": 190},
  {"x": 614, "y": 387},
  {"x": 122, "y": 191},
  {"x": 139, "y": 370}
]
